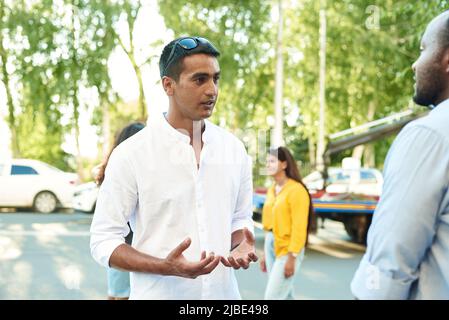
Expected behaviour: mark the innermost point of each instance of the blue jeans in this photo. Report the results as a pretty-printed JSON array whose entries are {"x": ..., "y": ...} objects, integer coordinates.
[
  {"x": 118, "y": 283},
  {"x": 278, "y": 287}
]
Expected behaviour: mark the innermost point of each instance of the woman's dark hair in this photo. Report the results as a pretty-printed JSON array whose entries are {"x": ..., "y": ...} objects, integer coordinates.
[
  {"x": 121, "y": 136},
  {"x": 284, "y": 155}
]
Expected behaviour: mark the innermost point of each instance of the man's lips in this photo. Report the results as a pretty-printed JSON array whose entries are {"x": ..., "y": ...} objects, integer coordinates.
[{"x": 208, "y": 104}]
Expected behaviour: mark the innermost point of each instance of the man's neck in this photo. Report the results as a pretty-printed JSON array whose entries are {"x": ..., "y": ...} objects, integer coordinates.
[
  {"x": 185, "y": 125},
  {"x": 193, "y": 129}
]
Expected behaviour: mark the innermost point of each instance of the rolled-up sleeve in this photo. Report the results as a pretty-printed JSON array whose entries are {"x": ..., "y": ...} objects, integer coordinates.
[
  {"x": 404, "y": 223},
  {"x": 117, "y": 200},
  {"x": 242, "y": 217}
]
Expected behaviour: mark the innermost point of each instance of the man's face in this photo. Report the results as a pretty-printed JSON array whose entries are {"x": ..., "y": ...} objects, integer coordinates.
[
  {"x": 431, "y": 77},
  {"x": 196, "y": 91}
]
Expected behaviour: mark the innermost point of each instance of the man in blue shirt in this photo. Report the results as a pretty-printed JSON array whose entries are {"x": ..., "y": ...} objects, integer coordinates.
[{"x": 408, "y": 243}]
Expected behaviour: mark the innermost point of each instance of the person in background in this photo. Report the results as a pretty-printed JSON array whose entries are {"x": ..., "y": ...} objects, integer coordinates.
[
  {"x": 286, "y": 218},
  {"x": 118, "y": 280}
]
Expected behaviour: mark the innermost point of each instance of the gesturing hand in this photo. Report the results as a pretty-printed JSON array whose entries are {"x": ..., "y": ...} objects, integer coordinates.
[
  {"x": 242, "y": 255},
  {"x": 263, "y": 264},
  {"x": 178, "y": 265}
]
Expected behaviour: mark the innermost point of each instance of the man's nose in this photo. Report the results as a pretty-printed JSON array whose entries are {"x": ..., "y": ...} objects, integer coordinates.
[{"x": 212, "y": 89}]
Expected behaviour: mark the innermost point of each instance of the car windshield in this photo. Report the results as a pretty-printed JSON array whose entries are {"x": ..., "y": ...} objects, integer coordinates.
[
  {"x": 340, "y": 176},
  {"x": 368, "y": 176},
  {"x": 46, "y": 165},
  {"x": 344, "y": 176}
]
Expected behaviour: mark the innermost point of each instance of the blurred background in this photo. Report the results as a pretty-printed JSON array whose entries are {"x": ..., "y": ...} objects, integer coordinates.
[{"x": 316, "y": 76}]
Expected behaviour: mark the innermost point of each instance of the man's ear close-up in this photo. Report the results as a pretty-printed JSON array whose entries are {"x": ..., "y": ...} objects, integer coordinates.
[
  {"x": 446, "y": 61},
  {"x": 168, "y": 84}
]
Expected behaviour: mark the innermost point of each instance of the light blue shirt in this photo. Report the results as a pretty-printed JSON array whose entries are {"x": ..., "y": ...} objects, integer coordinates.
[{"x": 408, "y": 242}]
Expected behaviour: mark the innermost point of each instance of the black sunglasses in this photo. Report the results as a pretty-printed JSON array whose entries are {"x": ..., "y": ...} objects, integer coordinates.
[{"x": 189, "y": 43}]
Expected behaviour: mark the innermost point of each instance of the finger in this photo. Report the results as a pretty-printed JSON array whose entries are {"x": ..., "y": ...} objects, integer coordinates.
[
  {"x": 252, "y": 256},
  {"x": 243, "y": 263},
  {"x": 181, "y": 247},
  {"x": 211, "y": 266},
  {"x": 263, "y": 267},
  {"x": 225, "y": 262},
  {"x": 195, "y": 267},
  {"x": 233, "y": 263},
  {"x": 203, "y": 255},
  {"x": 248, "y": 235}
]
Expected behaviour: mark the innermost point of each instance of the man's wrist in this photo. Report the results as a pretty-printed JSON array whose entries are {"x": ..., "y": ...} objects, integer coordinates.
[{"x": 161, "y": 266}]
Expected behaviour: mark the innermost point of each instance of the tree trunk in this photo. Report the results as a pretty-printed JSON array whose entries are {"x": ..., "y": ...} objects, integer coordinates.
[
  {"x": 79, "y": 162},
  {"x": 277, "y": 138},
  {"x": 106, "y": 128},
  {"x": 142, "y": 99},
  {"x": 366, "y": 150},
  {"x": 311, "y": 152},
  {"x": 75, "y": 100},
  {"x": 358, "y": 152},
  {"x": 5, "y": 79},
  {"x": 321, "y": 147},
  {"x": 369, "y": 157}
]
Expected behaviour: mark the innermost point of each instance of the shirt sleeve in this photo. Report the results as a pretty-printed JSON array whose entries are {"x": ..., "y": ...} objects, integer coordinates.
[
  {"x": 243, "y": 213},
  {"x": 298, "y": 201},
  {"x": 404, "y": 223},
  {"x": 117, "y": 200}
]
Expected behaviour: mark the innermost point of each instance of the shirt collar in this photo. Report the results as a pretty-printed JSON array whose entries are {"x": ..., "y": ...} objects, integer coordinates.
[
  {"x": 162, "y": 123},
  {"x": 441, "y": 106}
]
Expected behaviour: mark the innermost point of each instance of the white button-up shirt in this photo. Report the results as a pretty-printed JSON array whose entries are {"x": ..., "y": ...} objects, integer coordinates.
[{"x": 152, "y": 180}]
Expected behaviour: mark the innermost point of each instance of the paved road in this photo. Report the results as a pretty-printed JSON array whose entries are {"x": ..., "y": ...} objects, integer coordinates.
[{"x": 46, "y": 256}]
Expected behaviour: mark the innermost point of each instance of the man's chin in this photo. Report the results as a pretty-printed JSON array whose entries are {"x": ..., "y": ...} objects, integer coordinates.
[
  {"x": 422, "y": 101},
  {"x": 206, "y": 114}
]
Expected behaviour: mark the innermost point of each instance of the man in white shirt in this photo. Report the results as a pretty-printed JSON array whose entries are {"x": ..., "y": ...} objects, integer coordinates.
[
  {"x": 408, "y": 242},
  {"x": 185, "y": 185}
]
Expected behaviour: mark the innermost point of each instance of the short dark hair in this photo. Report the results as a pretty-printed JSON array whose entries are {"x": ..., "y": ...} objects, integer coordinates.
[{"x": 173, "y": 68}]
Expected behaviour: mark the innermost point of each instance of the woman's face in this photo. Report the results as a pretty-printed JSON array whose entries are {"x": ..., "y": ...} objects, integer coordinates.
[{"x": 274, "y": 166}]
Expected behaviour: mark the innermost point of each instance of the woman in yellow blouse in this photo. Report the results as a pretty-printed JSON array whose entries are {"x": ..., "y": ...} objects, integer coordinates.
[{"x": 286, "y": 214}]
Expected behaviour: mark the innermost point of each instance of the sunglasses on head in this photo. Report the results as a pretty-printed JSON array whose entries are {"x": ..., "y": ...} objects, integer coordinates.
[{"x": 188, "y": 43}]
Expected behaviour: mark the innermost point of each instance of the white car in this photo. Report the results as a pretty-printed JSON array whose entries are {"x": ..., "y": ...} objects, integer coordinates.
[
  {"x": 33, "y": 183},
  {"x": 357, "y": 181},
  {"x": 85, "y": 197}
]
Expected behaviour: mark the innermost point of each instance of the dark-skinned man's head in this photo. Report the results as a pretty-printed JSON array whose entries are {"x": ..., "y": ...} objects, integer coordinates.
[{"x": 432, "y": 67}]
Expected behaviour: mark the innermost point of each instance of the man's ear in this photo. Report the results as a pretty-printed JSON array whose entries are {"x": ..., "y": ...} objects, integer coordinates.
[
  {"x": 168, "y": 84},
  {"x": 446, "y": 60}
]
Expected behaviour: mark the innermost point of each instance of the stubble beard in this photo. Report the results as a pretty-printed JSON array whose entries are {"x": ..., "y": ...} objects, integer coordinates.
[{"x": 429, "y": 86}]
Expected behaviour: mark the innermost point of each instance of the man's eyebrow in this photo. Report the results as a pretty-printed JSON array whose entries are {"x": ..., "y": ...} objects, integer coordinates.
[
  {"x": 204, "y": 74},
  {"x": 200, "y": 74}
]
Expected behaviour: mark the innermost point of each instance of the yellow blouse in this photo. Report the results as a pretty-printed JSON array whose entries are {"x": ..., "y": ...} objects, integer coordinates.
[{"x": 286, "y": 214}]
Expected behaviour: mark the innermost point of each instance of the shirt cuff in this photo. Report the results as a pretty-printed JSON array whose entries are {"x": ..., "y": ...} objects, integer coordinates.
[
  {"x": 102, "y": 251},
  {"x": 371, "y": 283},
  {"x": 242, "y": 224}
]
